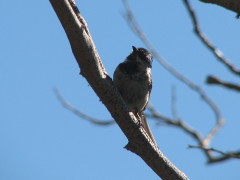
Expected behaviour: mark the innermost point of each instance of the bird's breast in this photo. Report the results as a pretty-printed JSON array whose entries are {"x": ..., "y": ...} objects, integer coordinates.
[{"x": 134, "y": 88}]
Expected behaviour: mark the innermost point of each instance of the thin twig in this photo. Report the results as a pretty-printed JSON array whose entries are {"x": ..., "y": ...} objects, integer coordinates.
[
  {"x": 207, "y": 140},
  {"x": 173, "y": 102},
  {"x": 223, "y": 155},
  {"x": 173, "y": 122},
  {"x": 181, "y": 125},
  {"x": 195, "y": 135},
  {"x": 80, "y": 114},
  {"x": 216, "y": 52},
  {"x": 217, "y": 81}
]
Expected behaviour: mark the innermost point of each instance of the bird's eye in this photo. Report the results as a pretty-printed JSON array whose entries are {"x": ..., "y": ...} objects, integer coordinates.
[{"x": 143, "y": 56}]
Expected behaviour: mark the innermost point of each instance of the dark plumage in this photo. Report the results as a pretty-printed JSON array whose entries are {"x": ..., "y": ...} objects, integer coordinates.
[{"x": 133, "y": 79}]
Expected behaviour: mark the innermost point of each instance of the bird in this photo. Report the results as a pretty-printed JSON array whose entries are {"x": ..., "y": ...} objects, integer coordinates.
[{"x": 133, "y": 79}]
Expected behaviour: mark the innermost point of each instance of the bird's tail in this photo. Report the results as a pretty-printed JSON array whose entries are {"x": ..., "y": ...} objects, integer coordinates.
[{"x": 146, "y": 127}]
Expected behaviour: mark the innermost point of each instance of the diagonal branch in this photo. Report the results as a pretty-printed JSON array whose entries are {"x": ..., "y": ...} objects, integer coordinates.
[
  {"x": 92, "y": 69},
  {"x": 216, "y": 52}
]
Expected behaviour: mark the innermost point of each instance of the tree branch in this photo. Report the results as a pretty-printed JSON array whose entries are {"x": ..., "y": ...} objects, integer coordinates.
[
  {"x": 232, "y": 5},
  {"x": 79, "y": 113},
  {"x": 223, "y": 155},
  {"x": 173, "y": 103},
  {"x": 92, "y": 69},
  {"x": 214, "y": 80},
  {"x": 216, "y": 52},
  {"x": 202, "y": 145},
  {"x": 174, "y": 122}
]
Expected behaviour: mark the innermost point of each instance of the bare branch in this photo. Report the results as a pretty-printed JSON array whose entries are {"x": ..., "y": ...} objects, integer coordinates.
[
  {"x": 217, "y": 81},
  {"x": 211, "y": 134},
  {"x": 203, "y": 143},
  {"x": 216, "y": 52},
  {"x": 174, "y": 122},
  {"x": 232, "y": 5},
  {"x": 92, "y": 69},
  {"x": 79, "y": 113},
  {"x": 181, "y": 125},
  {"x": 173, "y": 103},
  {"x": 223, "y": 155}
]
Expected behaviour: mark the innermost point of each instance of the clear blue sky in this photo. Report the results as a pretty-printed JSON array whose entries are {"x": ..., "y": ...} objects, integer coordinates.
[{"x": 40, "y": 140}]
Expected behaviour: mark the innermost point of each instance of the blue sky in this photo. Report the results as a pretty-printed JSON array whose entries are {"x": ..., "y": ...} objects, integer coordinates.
[{"x": 41, "y": 140}]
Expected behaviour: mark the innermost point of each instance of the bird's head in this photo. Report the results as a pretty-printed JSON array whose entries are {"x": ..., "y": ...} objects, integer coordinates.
[{"x": 141, "y": 56}]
